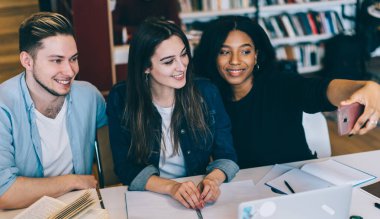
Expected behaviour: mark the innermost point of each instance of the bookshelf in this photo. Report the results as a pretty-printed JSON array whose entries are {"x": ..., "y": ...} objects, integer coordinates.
[
  {"x": 111, "y": 66},
  {"x": 273, "y": 10}
]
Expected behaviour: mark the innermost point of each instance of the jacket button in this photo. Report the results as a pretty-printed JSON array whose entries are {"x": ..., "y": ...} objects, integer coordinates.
[
  {"x": 188, "y": 152},
  {"x": 183, "y": 131}
]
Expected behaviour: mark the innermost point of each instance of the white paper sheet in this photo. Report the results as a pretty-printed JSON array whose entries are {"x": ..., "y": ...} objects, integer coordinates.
[
  {"x": 263, "y": 191},
  {"x": 362, "y": 204},
  {"x": 152, "y": 205}
]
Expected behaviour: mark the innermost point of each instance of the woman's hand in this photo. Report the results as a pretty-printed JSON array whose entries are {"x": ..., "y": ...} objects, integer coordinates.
[
  {"x": 210, "y": 190},
  {"x": 187, "y": 194},
  {"x": 369, "y": 96},
  {"x": 209, "y": 186}
]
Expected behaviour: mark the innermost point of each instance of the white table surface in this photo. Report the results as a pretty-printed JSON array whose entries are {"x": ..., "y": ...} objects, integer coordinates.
[{"x": 361, "y": 204}]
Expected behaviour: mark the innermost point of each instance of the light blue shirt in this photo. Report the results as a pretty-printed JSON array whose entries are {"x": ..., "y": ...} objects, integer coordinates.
[{"x": 20, "y": 144}]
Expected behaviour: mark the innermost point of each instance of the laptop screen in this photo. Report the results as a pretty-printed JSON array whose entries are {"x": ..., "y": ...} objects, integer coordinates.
[{"x": 328, "y": 203}]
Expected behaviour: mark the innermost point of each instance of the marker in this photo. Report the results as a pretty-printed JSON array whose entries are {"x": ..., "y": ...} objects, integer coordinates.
[
  {"x": 356, "y": 217},
  {"x": 377, "y": 205},
  {"x": 288, "y": 186}
]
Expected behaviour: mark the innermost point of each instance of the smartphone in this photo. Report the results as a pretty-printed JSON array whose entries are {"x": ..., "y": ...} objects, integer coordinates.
[{"x": 347, "y": 117}]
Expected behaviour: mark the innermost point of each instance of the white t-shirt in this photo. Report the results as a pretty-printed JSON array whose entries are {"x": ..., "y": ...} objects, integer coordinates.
[
  {"x": 171, "y": 166},
  {"x": 57, "y": 158}
]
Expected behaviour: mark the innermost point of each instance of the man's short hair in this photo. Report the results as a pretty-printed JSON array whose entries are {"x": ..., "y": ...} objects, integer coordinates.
[{"x": 39, "y": 26}]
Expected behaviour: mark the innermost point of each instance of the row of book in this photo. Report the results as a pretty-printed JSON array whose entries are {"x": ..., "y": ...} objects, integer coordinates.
[
  {"x": 188, "y": 6},
  {"x": 306, "y": 55},
  {"x": 302, "y": 24},
  {"x": 284, "y": 2}
]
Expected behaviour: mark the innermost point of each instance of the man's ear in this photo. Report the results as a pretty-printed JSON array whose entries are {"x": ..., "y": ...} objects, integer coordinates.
[{"x": 26, "y": 60}]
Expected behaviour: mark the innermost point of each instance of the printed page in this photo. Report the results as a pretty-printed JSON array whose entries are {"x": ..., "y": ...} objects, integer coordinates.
[
  {"x": 299, "y": 181},
  {"x": 42, "y": 208},
  {"x": 47, "y": 206},
  {"x": 94, "y": 213},
  {"x": 82, "y": 204},
  {"x": 337, "y": 173},
  {"x": 152, "y": 205}
]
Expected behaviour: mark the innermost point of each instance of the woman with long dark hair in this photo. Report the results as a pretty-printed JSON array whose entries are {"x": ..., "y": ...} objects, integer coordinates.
[
  {"x": 164, "y": 124},
  {"x": 266, "y": 105}
]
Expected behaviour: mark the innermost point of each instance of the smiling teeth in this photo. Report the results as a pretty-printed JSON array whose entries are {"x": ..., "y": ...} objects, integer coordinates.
[
  {"x": 235, "y": 70},
  {"x": 63, "y": 82},
  {"x": 178, "y": 76}
]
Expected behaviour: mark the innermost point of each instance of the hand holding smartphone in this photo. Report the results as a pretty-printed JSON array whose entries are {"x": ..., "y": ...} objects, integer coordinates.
[{"x": 347, "y": 117}]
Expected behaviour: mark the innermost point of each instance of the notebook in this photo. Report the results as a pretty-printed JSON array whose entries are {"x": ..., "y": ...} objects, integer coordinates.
[
  {"x": 317, "y": 175},
  {"x": 332, "y": 203}
]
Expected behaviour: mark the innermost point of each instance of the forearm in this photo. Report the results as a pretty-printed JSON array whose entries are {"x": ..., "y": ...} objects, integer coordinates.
[
  {"x": 217, "y": 175},
  {"x": 160, "y": 185},
  {"x": 24, "y": 191},
  {"x": 340, "y": 89}
]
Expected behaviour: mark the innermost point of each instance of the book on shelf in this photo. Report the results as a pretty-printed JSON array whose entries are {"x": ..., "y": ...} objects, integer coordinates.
[
  {"x": 317, "y": 175},
  {"x": 213, "y": 5},
  {"x": 79, "y": 205},
  {"x": 289, "y": 26},
  {"x": 297, "y": 25}
]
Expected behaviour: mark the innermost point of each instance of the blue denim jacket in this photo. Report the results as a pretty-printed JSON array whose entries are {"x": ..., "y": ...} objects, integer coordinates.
[
  {"x": 197, "y": 161},
  {"x": 20, "y": 143}
]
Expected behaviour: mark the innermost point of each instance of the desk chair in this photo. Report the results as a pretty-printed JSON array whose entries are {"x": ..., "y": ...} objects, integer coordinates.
[
  {"x": 317, "y": 134},
  {"x": 104, "y": 159}
]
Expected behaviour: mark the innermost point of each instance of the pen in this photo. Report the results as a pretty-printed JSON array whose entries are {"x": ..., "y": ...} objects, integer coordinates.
[
  {"x": 377, "y": 205},
  {"x": 288, "y": 186},
  {"x": 199, "y": 213},
  {"x": 100, "y": 197}
]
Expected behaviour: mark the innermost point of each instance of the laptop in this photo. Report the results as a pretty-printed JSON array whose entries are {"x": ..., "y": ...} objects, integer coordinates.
[{"x": 328, "y": 203}]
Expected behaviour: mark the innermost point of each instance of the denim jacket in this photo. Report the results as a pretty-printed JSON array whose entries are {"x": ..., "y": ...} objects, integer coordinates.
[{"x": 197, "y": 161}]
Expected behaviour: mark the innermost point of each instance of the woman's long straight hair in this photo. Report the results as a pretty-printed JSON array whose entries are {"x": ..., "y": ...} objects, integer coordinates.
[{"x": 140, "y": 115}]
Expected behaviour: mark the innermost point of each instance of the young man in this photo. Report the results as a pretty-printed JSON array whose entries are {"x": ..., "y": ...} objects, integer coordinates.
[{"x": 48, "y": 120}]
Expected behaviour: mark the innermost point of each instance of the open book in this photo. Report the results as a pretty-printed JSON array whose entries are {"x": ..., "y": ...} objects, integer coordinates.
[
  {"x": 319, "y": 175},
  {"x": 84, "y": 206}
]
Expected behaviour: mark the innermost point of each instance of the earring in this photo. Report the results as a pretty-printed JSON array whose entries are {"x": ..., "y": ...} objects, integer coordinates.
[{"x": 146, "y": 77}]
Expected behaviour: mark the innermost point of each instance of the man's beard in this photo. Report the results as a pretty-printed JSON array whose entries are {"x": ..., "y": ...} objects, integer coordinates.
[{"x": 51, "y": 91}]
